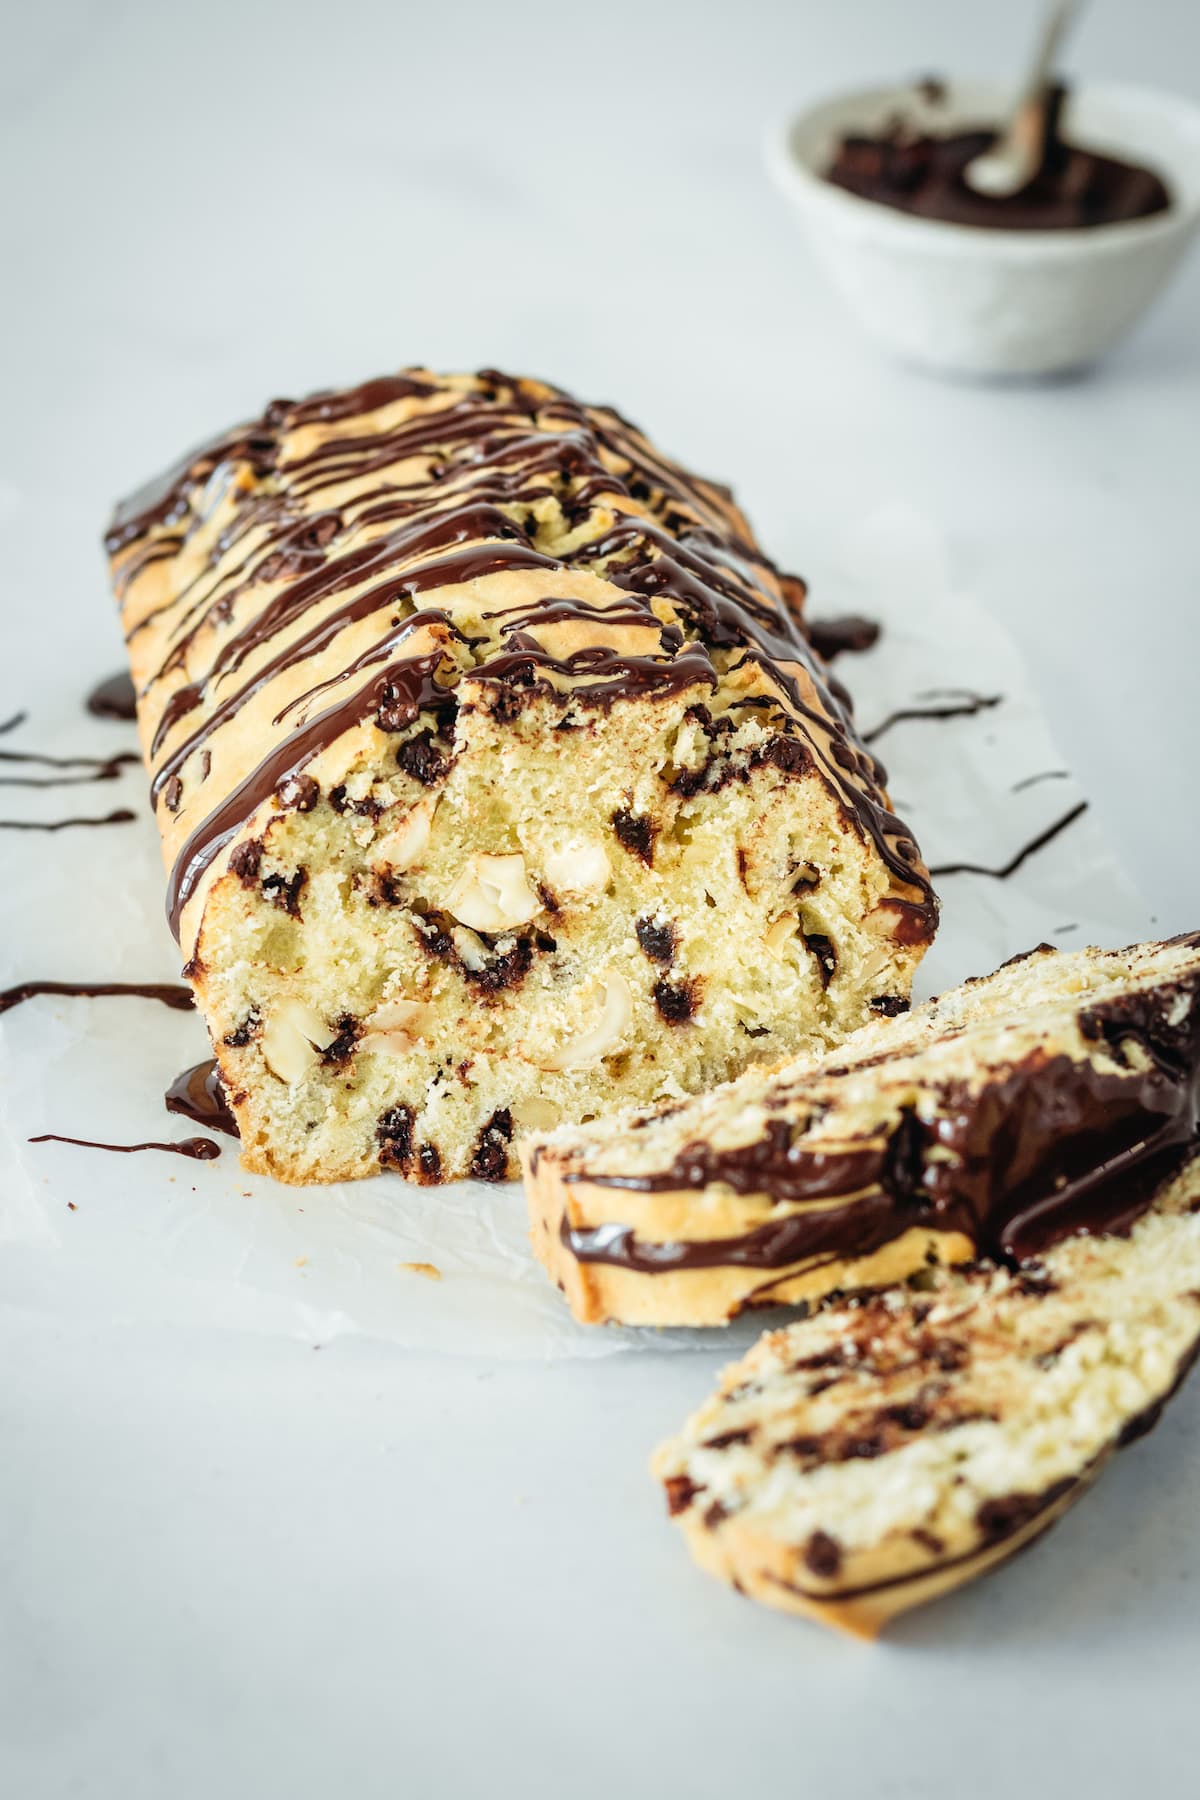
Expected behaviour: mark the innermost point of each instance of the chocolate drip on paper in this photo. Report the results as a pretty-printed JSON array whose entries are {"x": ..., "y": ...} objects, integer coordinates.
[
  {"x": 121, "y": 817},
  {"x": 200, "y": 1096},
  {"x": 966, "y": 708},
  {"x": 113, "y": 698},
  {"x": 167, "y": 994},
  {"x": 1010, "y": 868},
  {"x": 75, "y": 770},
  {"x": 849, "y": 634},
  {"x": 199, "y": 1149}
]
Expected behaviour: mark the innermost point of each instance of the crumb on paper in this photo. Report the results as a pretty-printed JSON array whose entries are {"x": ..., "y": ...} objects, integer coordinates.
[
  {"x": 72, "y": 1206},
  {"x": 300, "y": 1262},
  {"x": 430, "y": 1271}
]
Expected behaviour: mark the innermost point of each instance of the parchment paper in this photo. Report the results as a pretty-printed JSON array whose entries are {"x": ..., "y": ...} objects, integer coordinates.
[{"x": 152, "y": 1238}]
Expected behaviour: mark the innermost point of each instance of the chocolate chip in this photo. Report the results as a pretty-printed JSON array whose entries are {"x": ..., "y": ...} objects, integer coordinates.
[
  {"x": 910, "y": 1415},
  {"x": 821, "y": 948},
  {"x": 285, "y": 891},
  {"x": 421, "y": 758},
  {"x": 865, "y": 1447},
  {"x": 807, "y": 1447},
  {"x": 889, "y": 1006},
  {"x": 429, "y": 1161},
  {"x": 657, "y": 941},
  {"x": 714, "y": 1514},
  {"x": 506, "y": 970},
  {"x": 823, "y": 1555},
  {"x": 637, "y": 833},
  {"x": 397, "y": 708},
  {"x": 298, "y": 793},
  {"x": 1035, "y": 1282},
  {"x": 681, "y": 1491},
  {"x": 1001, "y": 1518},
  {"x": 395, "y": 1135},
  {"x": 833, "y": 1358},
  {"x": 490, "y": 1161},
  {"x": 789, "y": 755},
  {"x": 348, "y": 1032},
  {"x": 433, "y": 936},
  {"x": 677, "y": 1001},
  {"x": 245, "y": 1033},
  {"x": 367, "y": 808},
  {"x": 246, "y": 860},
  {"x": 724, "y": 1439}
]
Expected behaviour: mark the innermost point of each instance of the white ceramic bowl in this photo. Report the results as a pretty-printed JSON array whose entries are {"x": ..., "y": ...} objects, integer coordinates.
[{"x": 987, "y": 302}]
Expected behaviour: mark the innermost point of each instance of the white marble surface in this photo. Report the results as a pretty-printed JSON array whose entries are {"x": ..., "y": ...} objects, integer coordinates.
[{"x": 232, "y": 1566}]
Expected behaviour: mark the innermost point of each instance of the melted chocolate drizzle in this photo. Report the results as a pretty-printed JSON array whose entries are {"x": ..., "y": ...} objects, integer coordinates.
[
  {"x": 200, "y": 1096},
  {"x": 402, "y": 688},
  {"x": 76, "y": 769},
  {"x": 1019, "y": 787},
  {"x": 166, "y": 993},
  {"x": 966, "y": 708},
  {"x": 1054, "y": 1147},
  {"x": 850, "y": 633},
  {"x": 113, "y": 698},
  {"x": 122, "y": 816},
  {"x": 1010, "y": 868},
  {"x": 18, "y": 718},
  {"x": 448, "y": 526},
  {"x": 199, "y": 1149}
]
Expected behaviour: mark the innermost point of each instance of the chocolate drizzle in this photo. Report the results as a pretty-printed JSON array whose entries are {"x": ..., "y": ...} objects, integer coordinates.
[
  {"x": 402, "y": 688},
  {"x": 850, "y": 633},
  {"x": 170, "y": 994},
  {"x": 964, "y": 708},
  {"x": 199, "y": 1149},
  {"x": 484, "y": 455},
  {"x": 114, "y": 698},
  {"x": 1014, "y": 863},
  {"x": 1053, "y": 1147},
  {"x": 74, "y": 770},
  {"x": 122, "y": 816},
  {"x": 200, "y": 1096}
]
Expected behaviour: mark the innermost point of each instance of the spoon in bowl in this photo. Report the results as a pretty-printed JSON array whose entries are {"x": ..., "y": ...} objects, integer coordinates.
[{"x": 1011, "y": 163}]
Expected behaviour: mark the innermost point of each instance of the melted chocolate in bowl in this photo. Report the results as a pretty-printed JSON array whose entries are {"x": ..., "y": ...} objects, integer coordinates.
[{"x": 921, "y": 172}]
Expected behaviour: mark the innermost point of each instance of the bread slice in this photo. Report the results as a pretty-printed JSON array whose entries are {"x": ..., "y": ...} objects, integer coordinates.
[
  {"x": 1015, "y": 1108},
  {"x": 890, "y": 1448},
  {"x": 496, "y": 777}
]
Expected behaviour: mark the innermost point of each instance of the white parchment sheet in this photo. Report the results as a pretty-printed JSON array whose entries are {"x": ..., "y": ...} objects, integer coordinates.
[{"x": 153, "y": 1239}]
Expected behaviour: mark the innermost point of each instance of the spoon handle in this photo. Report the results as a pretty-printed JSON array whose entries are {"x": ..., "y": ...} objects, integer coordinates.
[{"x": 1058, "y": 21}]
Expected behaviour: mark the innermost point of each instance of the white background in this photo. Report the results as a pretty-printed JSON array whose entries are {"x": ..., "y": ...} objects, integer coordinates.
[{"x": 232, "y": 1566}]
